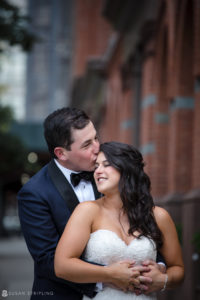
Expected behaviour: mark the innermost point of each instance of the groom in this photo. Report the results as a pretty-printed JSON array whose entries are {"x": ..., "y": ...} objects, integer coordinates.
[{"x": 46, "y": 202}]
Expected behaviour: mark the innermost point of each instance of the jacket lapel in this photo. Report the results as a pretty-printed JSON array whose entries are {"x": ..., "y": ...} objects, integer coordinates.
[{"x": 62, "y": 186}]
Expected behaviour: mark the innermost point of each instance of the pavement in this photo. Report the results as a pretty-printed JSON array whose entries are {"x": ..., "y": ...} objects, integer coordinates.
[{"x": 16, "y": 269}]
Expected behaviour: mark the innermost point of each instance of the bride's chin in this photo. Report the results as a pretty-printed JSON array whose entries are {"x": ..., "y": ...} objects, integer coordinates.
[{"x": 101, "y": 190}]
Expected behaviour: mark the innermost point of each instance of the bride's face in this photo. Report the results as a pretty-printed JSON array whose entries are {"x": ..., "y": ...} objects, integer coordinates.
[{"x": 106, "y": 177}]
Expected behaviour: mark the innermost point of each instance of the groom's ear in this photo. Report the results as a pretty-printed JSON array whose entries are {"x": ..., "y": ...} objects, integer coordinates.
[{"x": 61, "y": 153}]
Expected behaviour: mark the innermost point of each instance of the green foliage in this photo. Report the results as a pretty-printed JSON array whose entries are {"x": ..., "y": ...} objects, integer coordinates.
[
  {"x": 14, "y": 27},
  {"x": 6, "y": 117},
  {"x": 196, "y": 241},
  {"x": 31, "y": 168},
  {"x": 14, "y": 30},
  {"x": 13, "y": 153}
]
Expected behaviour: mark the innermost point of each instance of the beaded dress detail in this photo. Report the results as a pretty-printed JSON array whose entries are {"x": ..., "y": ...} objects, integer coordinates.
[{"x": 106, "y": 247}]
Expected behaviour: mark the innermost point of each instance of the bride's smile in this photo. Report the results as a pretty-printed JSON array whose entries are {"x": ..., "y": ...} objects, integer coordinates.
[{"x": 106, "y": 177}]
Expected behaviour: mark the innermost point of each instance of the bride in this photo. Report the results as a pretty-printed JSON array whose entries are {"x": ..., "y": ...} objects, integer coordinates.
[{"x": 119, "y": 231}]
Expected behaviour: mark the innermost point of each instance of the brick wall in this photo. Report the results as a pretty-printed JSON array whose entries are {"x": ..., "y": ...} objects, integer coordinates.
[
  {"x": 169, "y": 109},
  {"x": 117, "y": 120},
  {"x": 91, "y": 33}
]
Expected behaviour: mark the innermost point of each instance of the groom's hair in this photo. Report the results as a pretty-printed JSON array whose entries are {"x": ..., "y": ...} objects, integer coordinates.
[{"x": 58, "y": 127}]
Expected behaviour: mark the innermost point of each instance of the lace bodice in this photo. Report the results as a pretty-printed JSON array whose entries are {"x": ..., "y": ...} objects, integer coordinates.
[{"x": 106, "y": 247}]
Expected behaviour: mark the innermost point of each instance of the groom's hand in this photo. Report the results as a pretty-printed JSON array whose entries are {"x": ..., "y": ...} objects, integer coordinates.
[
  {"x": 126, "y": 276},
  {"x": 156, "y": 273},
  {"x": 144, "y": 281}
]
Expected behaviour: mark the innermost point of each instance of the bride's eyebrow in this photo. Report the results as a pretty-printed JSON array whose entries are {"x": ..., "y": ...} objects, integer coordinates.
[{"x": 104, "y": 161}]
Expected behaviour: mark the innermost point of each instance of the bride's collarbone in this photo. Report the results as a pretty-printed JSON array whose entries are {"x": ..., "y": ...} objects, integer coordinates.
[{"x": 114, "y": 223}]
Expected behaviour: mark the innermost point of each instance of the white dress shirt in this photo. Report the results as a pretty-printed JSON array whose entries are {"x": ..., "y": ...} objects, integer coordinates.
[{"x": 84, "y": 190}]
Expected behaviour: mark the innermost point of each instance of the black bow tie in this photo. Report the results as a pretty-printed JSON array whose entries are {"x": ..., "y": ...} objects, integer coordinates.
[{"x": 76, "y": 177}]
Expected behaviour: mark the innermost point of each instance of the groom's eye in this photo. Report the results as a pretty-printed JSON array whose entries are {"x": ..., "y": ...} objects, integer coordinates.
[{"x": 86, "y": 145}]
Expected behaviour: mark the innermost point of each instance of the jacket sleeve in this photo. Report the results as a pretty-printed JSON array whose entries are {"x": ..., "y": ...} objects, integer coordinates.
[
  {"x": 42, "y": 236},
  {"x": 160, "y": 259}
]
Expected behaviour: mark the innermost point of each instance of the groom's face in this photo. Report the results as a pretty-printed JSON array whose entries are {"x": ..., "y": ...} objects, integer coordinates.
[{"x": 84, "y": 149}]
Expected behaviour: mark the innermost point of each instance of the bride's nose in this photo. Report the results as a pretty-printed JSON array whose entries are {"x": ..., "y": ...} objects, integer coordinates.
[{"x": 98, "y": 169}]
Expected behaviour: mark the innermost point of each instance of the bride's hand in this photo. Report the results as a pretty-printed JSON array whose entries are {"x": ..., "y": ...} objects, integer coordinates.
[{"x": 124, "y": 274}]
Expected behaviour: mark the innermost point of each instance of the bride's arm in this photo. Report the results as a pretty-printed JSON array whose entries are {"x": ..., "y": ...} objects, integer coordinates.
[
  {"x": 171, "y": 249},
  {"x": 73, "y": 242}
]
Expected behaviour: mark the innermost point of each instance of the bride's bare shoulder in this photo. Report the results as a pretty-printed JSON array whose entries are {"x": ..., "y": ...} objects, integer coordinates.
[
  {"x": 89, "y": 206},
  {"x": 162, "y": 216},
  {"x": 160, "y": 212}
]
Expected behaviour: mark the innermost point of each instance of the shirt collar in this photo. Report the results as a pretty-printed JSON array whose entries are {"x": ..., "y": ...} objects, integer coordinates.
[{"x": 66, "y": 172}]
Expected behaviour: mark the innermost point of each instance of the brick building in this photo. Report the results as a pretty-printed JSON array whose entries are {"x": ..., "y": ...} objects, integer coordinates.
[{"x": 136, "y": 71}]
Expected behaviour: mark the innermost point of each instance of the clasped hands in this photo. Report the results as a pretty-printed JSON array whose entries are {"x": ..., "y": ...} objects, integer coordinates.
[{"x": 139, "y": 279}]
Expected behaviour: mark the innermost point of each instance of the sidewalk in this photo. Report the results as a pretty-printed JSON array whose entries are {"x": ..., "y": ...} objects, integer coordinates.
[
  {"x": 16, "y": 269},
  {"x": 13, "y": 246}
]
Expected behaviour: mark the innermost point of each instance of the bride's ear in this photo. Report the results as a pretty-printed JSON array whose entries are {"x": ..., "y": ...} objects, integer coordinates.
[{"x": 61, "y": 153}]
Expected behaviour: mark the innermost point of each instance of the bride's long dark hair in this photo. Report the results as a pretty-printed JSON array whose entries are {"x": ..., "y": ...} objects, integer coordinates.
[{"x": 134, "y": 188}]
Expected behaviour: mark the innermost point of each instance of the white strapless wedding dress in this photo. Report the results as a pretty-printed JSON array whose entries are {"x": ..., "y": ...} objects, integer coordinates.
[{"x": 106, "y": 247}]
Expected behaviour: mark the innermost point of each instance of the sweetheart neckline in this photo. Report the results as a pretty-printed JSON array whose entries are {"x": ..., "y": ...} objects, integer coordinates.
[{"x": 118, "y": 236}]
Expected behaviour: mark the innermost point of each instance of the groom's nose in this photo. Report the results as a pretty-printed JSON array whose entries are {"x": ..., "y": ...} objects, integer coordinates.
[{"x": 96, "y": 146}]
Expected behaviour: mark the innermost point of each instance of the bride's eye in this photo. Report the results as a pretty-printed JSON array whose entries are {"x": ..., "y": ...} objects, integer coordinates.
[{"x": 107, "y": 165}]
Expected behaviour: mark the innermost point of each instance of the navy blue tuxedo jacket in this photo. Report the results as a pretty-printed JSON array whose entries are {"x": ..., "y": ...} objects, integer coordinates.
[{"x": 45, "y": 204}]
